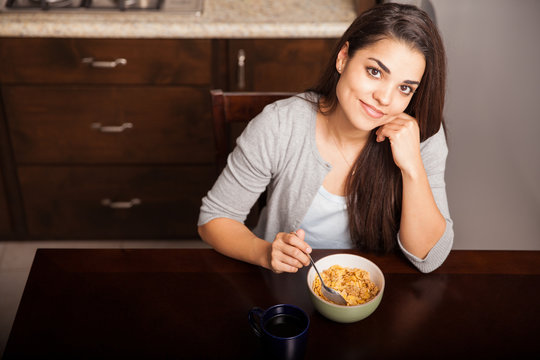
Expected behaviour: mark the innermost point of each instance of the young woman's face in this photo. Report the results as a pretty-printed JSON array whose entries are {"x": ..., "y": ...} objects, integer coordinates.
[{"x": 377, "y": 82}]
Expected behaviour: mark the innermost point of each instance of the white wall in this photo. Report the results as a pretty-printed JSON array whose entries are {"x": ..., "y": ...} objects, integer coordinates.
[{"x": 493, "y": 116}]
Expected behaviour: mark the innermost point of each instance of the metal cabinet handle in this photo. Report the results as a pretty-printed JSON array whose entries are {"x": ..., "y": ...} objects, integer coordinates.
[
  {"x": 241, "y": 69},
  {"x": 111, "y": 129},
  {"x": 104, "y": 64},
  {"x": 120, "y": 204}
]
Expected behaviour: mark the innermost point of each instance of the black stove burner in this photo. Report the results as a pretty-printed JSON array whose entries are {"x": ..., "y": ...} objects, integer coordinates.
[
  {"x": 85, "y": 4},
  {"x": 46, "y": 4},
  {"x": 53, "y": 3}
]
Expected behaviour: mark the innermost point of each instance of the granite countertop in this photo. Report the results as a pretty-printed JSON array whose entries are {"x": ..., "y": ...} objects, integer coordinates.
[{"x": 219, "y": 19}]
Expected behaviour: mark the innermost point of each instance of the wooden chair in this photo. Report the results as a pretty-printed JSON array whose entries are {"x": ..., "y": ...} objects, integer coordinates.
[
  {"x": 238, "y": 108},
  {"x": 230, "y": 108}
]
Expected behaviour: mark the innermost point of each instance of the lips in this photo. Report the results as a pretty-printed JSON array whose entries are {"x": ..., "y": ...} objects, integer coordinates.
[{"x": 371, "y": 111}]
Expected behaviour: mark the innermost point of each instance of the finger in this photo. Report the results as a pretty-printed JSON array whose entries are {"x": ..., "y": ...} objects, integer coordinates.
[
  {"x": 386, "y": 131},
  {"x": 279, "y": 267},
  {"x": 395, "y": 128},
  {"x": 294, "y": 251},
  {"x": 400, "y": 119},
  {"x": 281, "y": 261},
  {"x": 290, "y": 264},
  {"x": 299, "y": 248},
  {"x": 302, "y": 236},
  {"x": 395, "y": 124}
]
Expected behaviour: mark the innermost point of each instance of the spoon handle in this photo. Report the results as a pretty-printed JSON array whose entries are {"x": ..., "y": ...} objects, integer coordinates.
[{"x": 313, "y": 263}]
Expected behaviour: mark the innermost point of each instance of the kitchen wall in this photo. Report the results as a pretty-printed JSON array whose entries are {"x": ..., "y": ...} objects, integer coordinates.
[{"x": 493, "y": 118}]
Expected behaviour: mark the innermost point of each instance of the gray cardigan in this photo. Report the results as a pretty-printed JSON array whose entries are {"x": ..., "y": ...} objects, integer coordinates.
[{"x": 277, "y": 152}]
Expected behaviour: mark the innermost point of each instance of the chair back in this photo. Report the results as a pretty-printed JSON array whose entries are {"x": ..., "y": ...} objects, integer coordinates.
[{"x": 236, "y": 107}]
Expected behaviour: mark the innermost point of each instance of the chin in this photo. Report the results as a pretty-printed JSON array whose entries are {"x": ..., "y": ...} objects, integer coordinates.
[{"x": 367, "y": 125}]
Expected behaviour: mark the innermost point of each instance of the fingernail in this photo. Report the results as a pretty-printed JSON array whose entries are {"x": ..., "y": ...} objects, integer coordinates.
[{"x": 308, "y": 250}]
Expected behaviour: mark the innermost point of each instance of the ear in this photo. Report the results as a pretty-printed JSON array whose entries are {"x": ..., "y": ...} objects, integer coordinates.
[{"x": 342, "y": 57}]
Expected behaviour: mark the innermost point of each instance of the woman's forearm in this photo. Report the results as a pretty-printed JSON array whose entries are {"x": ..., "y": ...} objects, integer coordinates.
[
  {"x": 234, "y": 239},
  {"x": 422, "y": 224}
]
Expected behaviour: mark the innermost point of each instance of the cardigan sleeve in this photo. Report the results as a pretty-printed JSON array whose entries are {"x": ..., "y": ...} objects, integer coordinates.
[
  {"x": 434, "y": 152},
  {"x": 247, "y": 173}
]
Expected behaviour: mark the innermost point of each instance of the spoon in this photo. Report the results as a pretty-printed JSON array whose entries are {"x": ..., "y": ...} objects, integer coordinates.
[{"x": 328, "y": 292}]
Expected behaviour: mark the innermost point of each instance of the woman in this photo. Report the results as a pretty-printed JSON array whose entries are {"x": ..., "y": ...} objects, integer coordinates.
[{"x": 358, "y": 161}]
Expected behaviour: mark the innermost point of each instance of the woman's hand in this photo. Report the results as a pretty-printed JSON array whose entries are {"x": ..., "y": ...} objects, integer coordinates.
[
  {"x": 404, "y": 136},
  {"x": 288, "y": 252},
  {"x": 422, "y": 223}
]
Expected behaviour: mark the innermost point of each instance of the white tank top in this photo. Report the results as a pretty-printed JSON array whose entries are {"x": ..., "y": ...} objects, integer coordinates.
[{"x": 326, "y": 223}]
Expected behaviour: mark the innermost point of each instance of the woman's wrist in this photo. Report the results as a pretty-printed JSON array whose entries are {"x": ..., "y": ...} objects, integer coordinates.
[
  {"x": 262, "y": 252},
  {"x": 414, "y": 172}
]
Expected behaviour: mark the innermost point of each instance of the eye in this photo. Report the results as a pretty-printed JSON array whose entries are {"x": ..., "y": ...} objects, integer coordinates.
[
  {"x": 374, "y": 72},
  {"x": 406, "y": 90}
]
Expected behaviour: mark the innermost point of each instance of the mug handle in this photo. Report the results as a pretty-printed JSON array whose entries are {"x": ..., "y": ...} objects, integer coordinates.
[{"x": 254, "y": 317}]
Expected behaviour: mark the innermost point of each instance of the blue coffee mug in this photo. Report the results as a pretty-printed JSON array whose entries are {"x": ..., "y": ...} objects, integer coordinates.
[{"x": 283, "y": 330}]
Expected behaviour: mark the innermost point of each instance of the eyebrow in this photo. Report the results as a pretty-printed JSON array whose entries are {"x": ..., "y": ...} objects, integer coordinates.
[
  {"x": 379, "y": 62},
  {"x": 387, "y": 70}
]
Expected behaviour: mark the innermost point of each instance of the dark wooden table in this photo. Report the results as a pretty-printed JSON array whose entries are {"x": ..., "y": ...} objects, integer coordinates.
[{"x": 193, "y": 304}]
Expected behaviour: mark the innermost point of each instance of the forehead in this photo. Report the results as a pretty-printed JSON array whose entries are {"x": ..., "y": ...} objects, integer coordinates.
[{"x": 403, "y": 61}]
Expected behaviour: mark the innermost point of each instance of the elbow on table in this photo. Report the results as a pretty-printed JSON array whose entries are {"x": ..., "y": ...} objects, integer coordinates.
[
  {"x": 437, "y": 255},
  {"x": 202, "y": 230}
]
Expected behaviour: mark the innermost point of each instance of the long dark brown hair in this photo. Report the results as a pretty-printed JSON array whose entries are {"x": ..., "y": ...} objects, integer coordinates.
[{"x": 374, "y": 185}]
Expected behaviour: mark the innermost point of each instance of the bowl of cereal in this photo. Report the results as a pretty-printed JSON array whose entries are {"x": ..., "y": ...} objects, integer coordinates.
[{"x": 356, "y": 278}]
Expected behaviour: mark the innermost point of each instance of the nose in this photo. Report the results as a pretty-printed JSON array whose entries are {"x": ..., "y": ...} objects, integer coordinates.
[{"x": 383, "y": 94}]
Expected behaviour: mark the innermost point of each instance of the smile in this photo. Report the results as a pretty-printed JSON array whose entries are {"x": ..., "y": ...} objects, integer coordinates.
[{"x": 371, "y": 111}]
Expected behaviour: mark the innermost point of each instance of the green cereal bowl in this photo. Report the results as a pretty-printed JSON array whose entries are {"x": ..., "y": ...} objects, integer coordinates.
[{"x": 341, "y": 313}]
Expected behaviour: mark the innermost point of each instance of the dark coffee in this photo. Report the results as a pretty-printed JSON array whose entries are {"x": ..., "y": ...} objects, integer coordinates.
[{"x": 284, "y": 325}]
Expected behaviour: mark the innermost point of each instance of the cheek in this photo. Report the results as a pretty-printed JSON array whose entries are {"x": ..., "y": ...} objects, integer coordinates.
[
  {"x": 354, "y": 85},
  {"x": 399, "y": 105},
  {"x": 345, "y": 91}
]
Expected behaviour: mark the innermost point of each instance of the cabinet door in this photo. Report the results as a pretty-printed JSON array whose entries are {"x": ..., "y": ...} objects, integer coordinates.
[
  {"x": 105, "y": 61},
  {"x": 114, "y": 201},
  {"x": 129, "y": 125},
  {"x": 277, "y": 64}
]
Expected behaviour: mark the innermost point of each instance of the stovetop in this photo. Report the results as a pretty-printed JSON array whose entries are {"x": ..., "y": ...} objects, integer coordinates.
[{"x": 194, "y": 7}]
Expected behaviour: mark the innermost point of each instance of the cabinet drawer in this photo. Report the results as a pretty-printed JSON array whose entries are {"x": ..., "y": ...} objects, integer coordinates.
[
  {"x": 79, "y": 202},
  {"x": 85, "y": 125},
  {"x": 148, "y": 61}
]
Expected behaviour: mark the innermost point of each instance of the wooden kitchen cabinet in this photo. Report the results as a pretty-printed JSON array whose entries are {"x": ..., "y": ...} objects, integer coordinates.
[
  {"x": 112, "y": 138},
  {"x": 277, "y": 64},
  {"x": 68, "y": 61},
  {"x": 281, "y": 65},
  {"x": 113, "y": 201},
  {"x": 109, "y": 125},
  {"x": 97, "y": 123}
]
